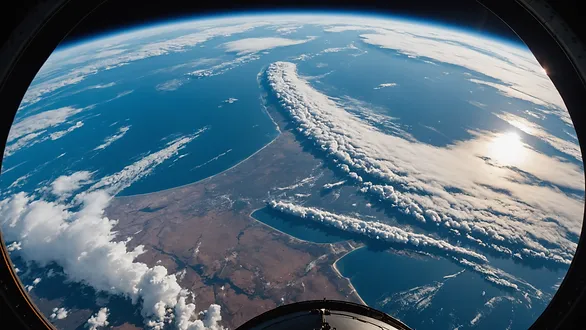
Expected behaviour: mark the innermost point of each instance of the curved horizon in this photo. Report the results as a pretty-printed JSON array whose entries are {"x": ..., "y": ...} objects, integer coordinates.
[{"x": 245, "y": 14}]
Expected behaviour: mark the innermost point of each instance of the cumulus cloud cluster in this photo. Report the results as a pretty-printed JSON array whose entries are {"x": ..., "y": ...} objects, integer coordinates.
[
  {"x": 113, "y": 138},
  {"x": 59, "y": 313},
  {"x": 100, "y": 319},
  {"x": 476, "y": 189},
  {"x": 255, "y": 45},
  {"x": 376, "y": 230},
  {"x": 80, "y": 239}
]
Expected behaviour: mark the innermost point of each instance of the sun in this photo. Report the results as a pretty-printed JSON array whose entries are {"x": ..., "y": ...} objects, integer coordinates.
[{"x": 507, "y": 149}]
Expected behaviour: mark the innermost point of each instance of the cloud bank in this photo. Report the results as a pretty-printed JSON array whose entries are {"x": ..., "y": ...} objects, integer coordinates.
[
  {"x": 376, "y": 230},
  {"x": 480, "y": 189}
]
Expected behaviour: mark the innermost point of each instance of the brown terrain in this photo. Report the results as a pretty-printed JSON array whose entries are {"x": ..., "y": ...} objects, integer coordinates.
[{"x": 229, "y": 258}]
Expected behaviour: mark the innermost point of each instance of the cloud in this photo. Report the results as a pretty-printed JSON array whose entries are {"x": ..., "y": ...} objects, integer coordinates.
[
  {"x": 24, "y": 132},
  {"x": 25, "y": 141},
  {"x": 490, "y": 187},
  {"x": 454, "y": 275},
  {"x": 117, "y": 182},
  {"x": 310, "y": 180},
  {"x": 51, "y": 78},
  {"x": 170, "y": 85},
  {"x": 510, "y": 92},
  {"x": 119, "y": 95},
  {"x": 78, "y": 237},
  {"x": 333, "y": 50},
  {"x": 181, "y": 274},
  {"x": 191, "y": 64},
  {"x": 288, "y": 29},
  {"x": 64, "y": 185},
  {"x": 60, "y": 134},
  {"x": 351, "y": 46},
  {"x": 19, "y": 181},
  {"x": 224, "y": 66},
  {"x": 528, "y": 127},
  {"x": 376, "y": 230},
  {"x": 113, "y": 138},
  {"x": 100, "y": 319},
  {"x": 333, "y": 185},
  {"x": 418, "y": 298},
  {"x": 222, "y": 154},
  {"x": 255, "y": 45},
  {"x": 6, "y": 170},
  {"x": 83, "y": 242},
  {"x": 491, "y": 274},
  {"x": 384, "y": 232},
  {"x": 14, "y": 246},
  {"x": 59, "y": 313},
  {"x": 488, "y": 308},
  {"x": 515, "y": 67},
  {"x": 102, "y": 86},
  {"x": 386, "y": 85}
]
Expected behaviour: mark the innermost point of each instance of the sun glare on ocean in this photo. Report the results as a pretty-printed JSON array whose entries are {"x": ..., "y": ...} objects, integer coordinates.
[{"x": 507, "y": 149}]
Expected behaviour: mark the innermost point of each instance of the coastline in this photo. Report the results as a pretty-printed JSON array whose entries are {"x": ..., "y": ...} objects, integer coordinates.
[
  {"x": 206, "y": 178},
  {"x": 289, "y": 235},
  {"x": 347, "y": 279},
  {"x": 277, "y": 230},
  {"x": 333, "y": 265},
  {"x": 279, "y": 133}
]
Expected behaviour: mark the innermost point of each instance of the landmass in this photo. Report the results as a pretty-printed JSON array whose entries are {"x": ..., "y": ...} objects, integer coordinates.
[{"x": 204, "y": 233}]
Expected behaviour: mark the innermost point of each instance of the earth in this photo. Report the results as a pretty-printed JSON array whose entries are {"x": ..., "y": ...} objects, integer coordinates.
[{"x": 196, "y": 173}]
